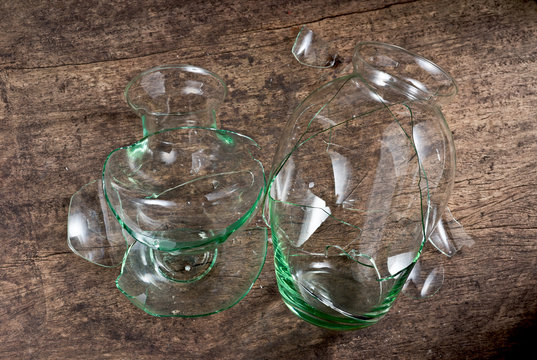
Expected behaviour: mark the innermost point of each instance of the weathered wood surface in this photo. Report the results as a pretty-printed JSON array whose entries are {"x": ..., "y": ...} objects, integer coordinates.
[{"x": 63, "y": 67}]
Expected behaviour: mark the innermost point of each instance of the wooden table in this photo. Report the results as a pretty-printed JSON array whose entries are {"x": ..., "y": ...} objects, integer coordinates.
[{"x": 63, "y": 68}]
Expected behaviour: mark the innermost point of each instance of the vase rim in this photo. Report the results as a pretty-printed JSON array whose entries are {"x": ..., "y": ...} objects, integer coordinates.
[
  {"x": 179, "y": 68},
  {"x": 444, "y": 79}
]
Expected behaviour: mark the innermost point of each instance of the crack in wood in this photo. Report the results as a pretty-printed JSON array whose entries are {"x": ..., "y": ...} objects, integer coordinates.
[{"x": 286, "y": 27}]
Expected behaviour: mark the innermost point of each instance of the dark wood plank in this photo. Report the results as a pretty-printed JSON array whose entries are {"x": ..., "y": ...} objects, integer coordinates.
[{"x": 63, "y": 67}]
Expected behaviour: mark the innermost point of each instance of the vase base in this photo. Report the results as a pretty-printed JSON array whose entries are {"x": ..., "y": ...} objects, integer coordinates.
[{"x": 162, "y": 284}]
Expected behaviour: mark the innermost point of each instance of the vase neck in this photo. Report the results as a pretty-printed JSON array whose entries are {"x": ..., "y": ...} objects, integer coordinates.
[{"x": 152, "y": 123}]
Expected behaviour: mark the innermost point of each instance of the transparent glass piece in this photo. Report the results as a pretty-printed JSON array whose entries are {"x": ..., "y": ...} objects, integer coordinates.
[
  {"x": 427, "y": 276},
  {"x": 449, "y": 235},
  {"x": 223, "y": 280},
  {"x": 364, "y": 166},
  {"x": 92, "y": 231},
  {"x": 171, "y": 96},
  {"x": 184, "y": 188},
  {"x": 310, "y": 50}
]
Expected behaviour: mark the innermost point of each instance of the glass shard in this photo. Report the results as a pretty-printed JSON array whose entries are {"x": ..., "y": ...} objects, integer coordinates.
[
  {"x": 427, "y": 276},
  {"x": 310, "y": 50},
  {"x": 92, "y": 231},
  {"x": 449, "y": 235}
]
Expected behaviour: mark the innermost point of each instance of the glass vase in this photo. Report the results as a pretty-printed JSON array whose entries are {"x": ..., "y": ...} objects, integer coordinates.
[
  {"x": 186, "y": 195},
  {"x": 164, "y": 97},
  {"x": 174, "y": 208},
  {"x": 360, "y": 179}
]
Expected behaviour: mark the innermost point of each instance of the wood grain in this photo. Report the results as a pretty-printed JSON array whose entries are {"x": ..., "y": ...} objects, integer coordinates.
[{"x": 63, "y": 67}]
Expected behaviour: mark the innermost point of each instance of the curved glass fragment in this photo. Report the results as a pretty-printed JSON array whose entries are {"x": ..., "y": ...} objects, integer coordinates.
[
  {"x": 449, "y": 236},
  {"x": 310, "y": 50},
  {"x": 224, "y": 279},
  {"x": 171, "y": 96},
  {"x": 92, "y": 231},
  {"x": 365, "y": 168},
  {"x": 427, "y": 276}
]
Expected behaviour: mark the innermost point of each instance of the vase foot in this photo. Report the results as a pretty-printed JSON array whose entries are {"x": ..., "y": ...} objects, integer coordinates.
[
  {"x": 190, "y": 285},
  {"x": 185, "y": 267}
]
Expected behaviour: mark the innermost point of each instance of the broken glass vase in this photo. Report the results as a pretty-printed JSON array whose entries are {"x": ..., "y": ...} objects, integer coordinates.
[
  {"x": 362, "y": 174},
  {"x": 186, "y": 195},
  {"x": 164, "y": 97}
]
